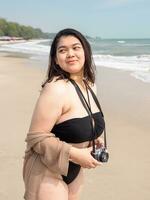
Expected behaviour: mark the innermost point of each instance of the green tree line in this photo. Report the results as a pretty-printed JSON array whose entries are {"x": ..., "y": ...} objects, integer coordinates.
[{"x": 14, "y": 29}]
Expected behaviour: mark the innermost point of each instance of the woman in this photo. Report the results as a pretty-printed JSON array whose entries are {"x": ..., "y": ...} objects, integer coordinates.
[{"x": 59, "y": 137}]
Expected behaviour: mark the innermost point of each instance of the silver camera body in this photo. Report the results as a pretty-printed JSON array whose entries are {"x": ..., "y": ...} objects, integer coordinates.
[{"x": 101, "y": 155}]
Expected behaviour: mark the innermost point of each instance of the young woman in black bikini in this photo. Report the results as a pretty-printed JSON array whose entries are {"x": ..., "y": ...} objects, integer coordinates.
[{"x": 59, "y": 110}]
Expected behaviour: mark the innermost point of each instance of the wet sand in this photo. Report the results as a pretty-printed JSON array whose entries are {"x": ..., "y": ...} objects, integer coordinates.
[{"x": 126, "y": 105}]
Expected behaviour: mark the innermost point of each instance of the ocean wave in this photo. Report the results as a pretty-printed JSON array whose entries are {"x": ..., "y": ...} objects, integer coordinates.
[
  {"x": 30, "y": 47},
  {"x": 143, "y": 76},
  {"x": 131, "y": 63},
  {"x": 139, "y": 65},
  {"x": 121, "y": 41},
  {"x": 136, "y": 45}
]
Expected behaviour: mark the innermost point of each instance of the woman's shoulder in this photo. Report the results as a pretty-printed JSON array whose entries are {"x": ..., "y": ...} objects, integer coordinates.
[{"x": 56, "y": 86}]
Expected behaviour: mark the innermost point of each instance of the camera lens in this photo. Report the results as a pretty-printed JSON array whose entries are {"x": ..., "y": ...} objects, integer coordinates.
[{"x": 103, "y": 156}]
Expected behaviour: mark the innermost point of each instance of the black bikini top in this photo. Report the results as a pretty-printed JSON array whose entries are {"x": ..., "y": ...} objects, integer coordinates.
[{"x": 78, "y": 130}]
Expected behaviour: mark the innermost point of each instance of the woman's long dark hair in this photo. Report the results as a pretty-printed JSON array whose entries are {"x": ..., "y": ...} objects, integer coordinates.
[{"x": 55, "y": 70}]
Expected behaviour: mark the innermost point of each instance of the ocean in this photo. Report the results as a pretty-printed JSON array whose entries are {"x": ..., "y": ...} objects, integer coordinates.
[{"x": 125, "y": 54}]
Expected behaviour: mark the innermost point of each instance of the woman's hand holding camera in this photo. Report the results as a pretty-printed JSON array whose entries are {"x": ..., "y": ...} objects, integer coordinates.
[
  {"x": 99, "y": 142},
  {"x": 83, "y": 157}
]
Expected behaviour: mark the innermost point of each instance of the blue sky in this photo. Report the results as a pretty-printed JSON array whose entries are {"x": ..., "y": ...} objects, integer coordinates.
[{"x": 104, "y": 18}]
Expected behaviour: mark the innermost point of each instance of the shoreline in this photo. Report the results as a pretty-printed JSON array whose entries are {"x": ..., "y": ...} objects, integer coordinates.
[
  {"x": 135, "y": 62},
  {"x": 125, "y": 103},
  {"x": 22, "y": 41},
  {"x": 3, "y": 42}
]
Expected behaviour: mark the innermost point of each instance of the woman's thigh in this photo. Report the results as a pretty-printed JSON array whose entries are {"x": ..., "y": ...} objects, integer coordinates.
[
  {"x": 75, "y": 187},
  {"x": 52, "y": 189}
]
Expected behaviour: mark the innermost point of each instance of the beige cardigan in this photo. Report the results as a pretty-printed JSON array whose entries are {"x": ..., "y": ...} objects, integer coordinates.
[{"x": 44, "y": 153}]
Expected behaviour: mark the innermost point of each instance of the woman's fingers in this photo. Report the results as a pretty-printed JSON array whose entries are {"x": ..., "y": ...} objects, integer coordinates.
[
  {"x": 99, "y": 142},
  {"x": 94, "y": 163},
  {"x": 83, "y": 157},
  {"x": 89, "y": 149}
]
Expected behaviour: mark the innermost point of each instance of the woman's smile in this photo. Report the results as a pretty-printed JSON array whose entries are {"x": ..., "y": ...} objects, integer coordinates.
[{"x": 71, "y": 61}]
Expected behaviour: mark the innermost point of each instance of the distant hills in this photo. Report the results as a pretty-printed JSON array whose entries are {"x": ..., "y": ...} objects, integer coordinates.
[{"x": 13, "y": 29}]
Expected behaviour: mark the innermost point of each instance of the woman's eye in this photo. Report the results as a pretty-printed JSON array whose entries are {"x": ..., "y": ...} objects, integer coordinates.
[
  {"x": 77, "y": 47},
  {"x": 62, "y": 50}
]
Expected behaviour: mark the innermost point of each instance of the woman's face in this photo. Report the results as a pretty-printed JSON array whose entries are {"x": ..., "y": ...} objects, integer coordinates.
[{"x": 70, "y": 55}]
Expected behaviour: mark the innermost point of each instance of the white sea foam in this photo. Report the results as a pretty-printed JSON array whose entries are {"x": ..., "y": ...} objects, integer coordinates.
[
  {"x": 143, "y": 76},
  {"x": 30, "y": 47},
  {"x": 121, "y": 41},
  {"x": 130, "y": 63},
  {"x": 138, "y": 65}
]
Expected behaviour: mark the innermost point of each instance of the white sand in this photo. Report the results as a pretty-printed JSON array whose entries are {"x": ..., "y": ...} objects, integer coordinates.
[{"x": 126, "y": 105}]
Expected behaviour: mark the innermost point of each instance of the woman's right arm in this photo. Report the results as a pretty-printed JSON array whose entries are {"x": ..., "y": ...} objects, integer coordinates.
[{"x": 48, "y": 109}]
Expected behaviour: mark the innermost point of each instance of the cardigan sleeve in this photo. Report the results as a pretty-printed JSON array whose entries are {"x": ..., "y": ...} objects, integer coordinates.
[{"x": 53, "y": 152}]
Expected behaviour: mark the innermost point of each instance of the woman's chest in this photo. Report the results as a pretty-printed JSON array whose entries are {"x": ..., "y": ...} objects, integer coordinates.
[{"x": 73, "y": 107}]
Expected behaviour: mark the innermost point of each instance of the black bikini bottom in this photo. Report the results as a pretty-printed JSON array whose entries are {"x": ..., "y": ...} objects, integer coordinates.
[{"x": 73, "y": 172}]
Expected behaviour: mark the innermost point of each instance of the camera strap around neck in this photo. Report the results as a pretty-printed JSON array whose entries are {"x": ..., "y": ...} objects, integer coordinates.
[{"x": 88, "y": 109}]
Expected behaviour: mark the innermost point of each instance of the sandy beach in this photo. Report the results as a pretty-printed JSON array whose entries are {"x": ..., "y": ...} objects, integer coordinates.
[{"x": 126, "y": 105}]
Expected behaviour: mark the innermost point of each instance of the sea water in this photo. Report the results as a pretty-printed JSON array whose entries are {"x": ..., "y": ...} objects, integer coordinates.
[{"x": 125, "y": 54}]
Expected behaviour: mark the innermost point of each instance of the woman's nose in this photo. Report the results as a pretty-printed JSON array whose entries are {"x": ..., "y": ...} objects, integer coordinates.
[{"x": 70, "y": 53}]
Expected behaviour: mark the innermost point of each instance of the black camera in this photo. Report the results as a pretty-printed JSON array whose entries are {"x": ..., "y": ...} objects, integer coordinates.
[{"x": 100, "y": 154}]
